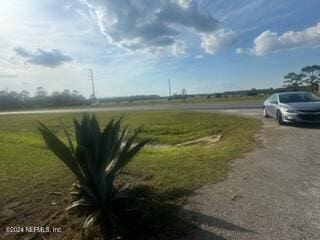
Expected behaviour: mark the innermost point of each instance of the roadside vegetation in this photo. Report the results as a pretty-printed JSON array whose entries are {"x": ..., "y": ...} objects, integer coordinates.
[
  {"x": 308, "y": 79},
  {"x": 162, "y": 174},
  {"x": 42, "y": 99},
  {"x": 24, "y": 100}
]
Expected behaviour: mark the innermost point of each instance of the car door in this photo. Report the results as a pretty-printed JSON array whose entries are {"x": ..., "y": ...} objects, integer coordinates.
[
  {"x": 274, "y": 106},
  {"x": 268, "y": 105}
]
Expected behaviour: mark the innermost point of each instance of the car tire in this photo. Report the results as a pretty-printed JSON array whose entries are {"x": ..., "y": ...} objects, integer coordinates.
[
  {"x": 279, "y": 118},
  {"x": 265, "y": 115}
]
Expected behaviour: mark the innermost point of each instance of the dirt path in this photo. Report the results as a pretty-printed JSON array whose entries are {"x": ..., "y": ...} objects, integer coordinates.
[{"x": 272, "y": 193}]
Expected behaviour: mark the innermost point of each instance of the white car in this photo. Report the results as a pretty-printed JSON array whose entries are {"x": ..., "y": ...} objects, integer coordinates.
[{"x": 292, "y": 107}]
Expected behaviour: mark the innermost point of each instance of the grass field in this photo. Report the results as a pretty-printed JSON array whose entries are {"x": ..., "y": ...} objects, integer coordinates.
[{"x": 29, "y": 172}]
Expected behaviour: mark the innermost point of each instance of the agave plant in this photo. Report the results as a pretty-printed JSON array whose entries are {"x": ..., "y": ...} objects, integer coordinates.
[{"x": 96, "y": 160}]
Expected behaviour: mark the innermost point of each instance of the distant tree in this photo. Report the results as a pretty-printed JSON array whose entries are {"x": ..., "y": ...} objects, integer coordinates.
[
  {"x": 23, "y": 95},
  {"x": 66, "y": 92},
  {"x": 293, "y": 80},
  {"x": 13, "y": 100},
  {"x": 218, "y": 95},
  {"x": 10, "y": 100},
  {"x": 14, "y": 94},
  {"x": 75, "y": 93},
  {"x": 311, "y": 76},
  {"x": 184, "y": 94},
  {"x": 252, "y": 92},
  {"x": 66, "y": 98},
  {"x": 317, "y": 75},
  {"x": 41, "y": 92},
  {"x": 55, "y": 93}
]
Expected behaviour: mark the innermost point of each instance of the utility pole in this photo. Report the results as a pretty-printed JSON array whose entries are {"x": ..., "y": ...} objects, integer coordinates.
[
  {"x": 91, "y": 77},
  {"x": 169, "y": 82}
]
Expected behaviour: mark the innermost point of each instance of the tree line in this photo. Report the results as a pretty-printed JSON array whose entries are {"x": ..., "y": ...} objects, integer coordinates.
[
  {"x": 23, "y": 100},
  {"x": 307, "y": 79},
  {"x": 129, "y": 98}
]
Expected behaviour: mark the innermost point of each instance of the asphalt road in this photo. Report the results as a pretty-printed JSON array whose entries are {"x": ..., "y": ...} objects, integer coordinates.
[
  {"x": 272, "y": 193},
  {"x": 179, "y": 106}
]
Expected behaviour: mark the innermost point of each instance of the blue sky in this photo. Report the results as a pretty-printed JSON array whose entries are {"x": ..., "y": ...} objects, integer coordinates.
[{"x": 134, "y": 46}]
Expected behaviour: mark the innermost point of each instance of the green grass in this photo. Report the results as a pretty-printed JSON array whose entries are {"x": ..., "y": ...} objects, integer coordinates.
[{"x": 26, "y": 165}]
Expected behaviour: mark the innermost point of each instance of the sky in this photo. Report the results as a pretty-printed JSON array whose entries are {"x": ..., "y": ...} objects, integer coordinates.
[{"x": 135, "y": 46}]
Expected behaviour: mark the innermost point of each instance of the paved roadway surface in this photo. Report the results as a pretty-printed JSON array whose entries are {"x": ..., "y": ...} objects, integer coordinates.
[
  {"x": 182, "y": 106},
  {"x": 272, "y": 193}
]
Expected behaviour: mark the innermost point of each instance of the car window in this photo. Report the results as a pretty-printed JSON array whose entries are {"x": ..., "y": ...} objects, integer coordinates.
[
  {"x": 273, "y": 99},
  {"x": 298, "y": 97},
  {"x": 270, "y": 99}
]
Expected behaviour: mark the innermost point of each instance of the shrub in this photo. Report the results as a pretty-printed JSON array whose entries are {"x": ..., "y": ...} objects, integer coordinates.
[{"x": 99, "y": 156}]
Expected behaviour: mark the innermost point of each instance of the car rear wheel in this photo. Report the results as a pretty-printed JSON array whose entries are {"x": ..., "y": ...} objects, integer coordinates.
[{"x": 279, "y": 118}]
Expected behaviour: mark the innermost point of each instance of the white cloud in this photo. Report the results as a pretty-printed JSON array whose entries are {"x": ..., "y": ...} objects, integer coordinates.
[
  {"x": 268, "y": 41},
  {"x": 8, "y": 76},
  {"x": 67, "y": 7},
  {"x": 199, "y": 56},
  {"x": 179, "y": 48},
  {"x": 153, "y": 26},
  {"x": 218, "y": 40},
  {"x": 29, "y": 24},
  {"x": 184, "y": 3},
  {"x": 240, "y": 50}
]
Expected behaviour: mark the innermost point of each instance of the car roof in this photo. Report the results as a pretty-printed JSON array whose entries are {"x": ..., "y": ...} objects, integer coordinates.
[{"x": 284, "y": 93}]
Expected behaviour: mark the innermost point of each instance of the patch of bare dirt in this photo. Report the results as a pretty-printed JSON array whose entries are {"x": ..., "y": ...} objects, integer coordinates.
[
  {"x": 44, "y": 206},
  {"x": 46, "y": 210},
  {"x": 204, "y": 140}
]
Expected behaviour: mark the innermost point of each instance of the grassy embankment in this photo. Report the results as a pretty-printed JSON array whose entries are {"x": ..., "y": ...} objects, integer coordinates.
[{"x": 28, "y": 171}]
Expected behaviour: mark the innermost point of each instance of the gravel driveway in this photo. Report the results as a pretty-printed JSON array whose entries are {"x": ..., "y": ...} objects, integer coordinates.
[{"x": 271, "y": 193}]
